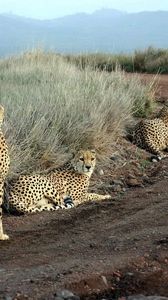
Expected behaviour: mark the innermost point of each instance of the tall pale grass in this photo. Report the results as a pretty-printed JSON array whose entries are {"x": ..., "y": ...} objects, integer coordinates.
[{"x": 53, "y": 108}]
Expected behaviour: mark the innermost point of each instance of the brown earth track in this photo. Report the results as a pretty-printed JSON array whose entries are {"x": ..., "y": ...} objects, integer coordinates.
[
  {"x": 102, "y": 249},
  {"x": 161, "y": 84},
  {"x": 49, "y": 251}
]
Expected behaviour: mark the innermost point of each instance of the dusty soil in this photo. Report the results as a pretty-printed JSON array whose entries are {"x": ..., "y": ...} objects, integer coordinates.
[
  {"x": 161, "y": 85},
  {"x": 98, "y": 250},
  {"x": 161, "y": 82}
]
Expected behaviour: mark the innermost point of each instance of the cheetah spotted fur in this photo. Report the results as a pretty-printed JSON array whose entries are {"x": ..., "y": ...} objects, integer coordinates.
[
  {"x": 152, "y": 134},
  {"x": 4, "y": 166},
  {"x": 34, "y": 193}
]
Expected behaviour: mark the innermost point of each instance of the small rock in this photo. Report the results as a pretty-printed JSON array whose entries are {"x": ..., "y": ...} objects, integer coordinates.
[
  {"x": 66, "y": 295},
  {"x": 142, "y": 297},
  {"x": 117, "y": 185},
  {"x": 137, "y": 297},
  {"x": 116, "y": 188},
  {"x": 163, "y": 241},
  {"x": 133, "y": 182},
  {"x": 104, "y": 280},
  {"x": 156, "y": 298},
  {"x": 117, "y": 182},
  {"x": 130, "y": 274},
  {"x": 114, "y": 157},
  {"x": 7, "y": 298},
  {"x": 101, "y": 172},
  {"x": 74, "y": 298},
  {"x": 131, "y": 176}
]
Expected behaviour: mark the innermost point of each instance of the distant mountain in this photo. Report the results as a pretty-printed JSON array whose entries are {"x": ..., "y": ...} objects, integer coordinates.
[{"x": 105, "y": 30}]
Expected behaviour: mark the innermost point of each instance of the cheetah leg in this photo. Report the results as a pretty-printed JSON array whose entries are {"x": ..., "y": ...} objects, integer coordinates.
[
  {"x": 35, "y": 209},
  {"x": 2, "y": 235},
  {"x": 54, "y": 196},
  {"x": 47, "y": 207},
  {"x": 63, "y": 201},
  {"x": 155, "y": 150},
  {"x": 93, "y": 196}
]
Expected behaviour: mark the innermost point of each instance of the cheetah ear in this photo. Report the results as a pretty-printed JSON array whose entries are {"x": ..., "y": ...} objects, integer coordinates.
[{"x": 93, "y": 151}]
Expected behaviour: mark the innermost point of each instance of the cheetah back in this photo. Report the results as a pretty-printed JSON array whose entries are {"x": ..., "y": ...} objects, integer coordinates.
[{"x": 151, "y": 135}]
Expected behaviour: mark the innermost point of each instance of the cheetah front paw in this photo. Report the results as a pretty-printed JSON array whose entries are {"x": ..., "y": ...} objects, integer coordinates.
[
  {"x": 68, "y": 203},
  {"x": 4, "y": 237},
  {"x": 107, "y": 197},
  {"x": 157, "y": 158}
]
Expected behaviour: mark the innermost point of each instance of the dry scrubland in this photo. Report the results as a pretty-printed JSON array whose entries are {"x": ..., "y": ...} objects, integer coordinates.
[
  {"x": 150, "y": 60},
  {"x": 53, "y": 108}
]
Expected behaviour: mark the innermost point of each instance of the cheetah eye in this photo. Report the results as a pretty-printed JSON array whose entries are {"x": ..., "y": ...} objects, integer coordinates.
[
  {"x": 81, "y": 158},
  {"x": 92, "y": 158}
]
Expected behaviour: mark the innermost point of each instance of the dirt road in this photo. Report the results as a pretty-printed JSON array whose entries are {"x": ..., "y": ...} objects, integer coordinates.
[
  {"x": 161, "y": 84},
  {"x": 72, "y": 249}
]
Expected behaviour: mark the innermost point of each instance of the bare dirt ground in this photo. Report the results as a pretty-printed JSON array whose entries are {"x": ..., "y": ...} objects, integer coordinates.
[
  {"x": 161, "y": 84},
  {"x": 162, "y": 90},
  {"x": 100, "y": 250}
]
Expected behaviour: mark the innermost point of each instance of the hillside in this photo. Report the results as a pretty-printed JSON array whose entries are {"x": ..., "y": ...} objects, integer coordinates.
[{"x": 104, "y": 30}]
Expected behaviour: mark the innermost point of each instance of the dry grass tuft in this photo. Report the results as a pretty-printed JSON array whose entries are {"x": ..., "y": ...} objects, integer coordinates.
[{"x": 53, "y": 108}]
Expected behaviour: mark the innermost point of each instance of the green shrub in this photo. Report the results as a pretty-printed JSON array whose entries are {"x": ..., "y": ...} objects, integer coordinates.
[{"x": 150, "y": 60}]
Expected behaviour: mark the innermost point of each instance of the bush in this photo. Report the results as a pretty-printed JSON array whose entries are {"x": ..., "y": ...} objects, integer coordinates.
[
  {"x": 150, "y": 60},
  {"x": 102, "y": 61},
  {"x": 53, "y": 108}
]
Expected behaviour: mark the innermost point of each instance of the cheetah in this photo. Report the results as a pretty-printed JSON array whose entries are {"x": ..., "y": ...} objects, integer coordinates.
[
  {"x": 4, "y": 167},
  {"x": 75, "y": 177},
  {"x": 31, "y": 193},
  {"x": 152, "y": 134}
]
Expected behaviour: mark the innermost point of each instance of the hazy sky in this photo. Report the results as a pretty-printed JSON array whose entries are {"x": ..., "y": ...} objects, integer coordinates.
[{"x": 47, "y": 9}]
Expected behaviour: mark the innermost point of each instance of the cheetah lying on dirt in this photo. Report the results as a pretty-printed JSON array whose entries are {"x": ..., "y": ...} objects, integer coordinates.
[
  {"x": 75, "y": 177},
  {"x": 37, "y": 193},
  {"x": 152, "y": 135},
  {"x": 4, "y": 166}
]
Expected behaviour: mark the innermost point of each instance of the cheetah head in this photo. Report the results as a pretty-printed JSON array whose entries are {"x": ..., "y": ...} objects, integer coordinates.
[{"x": 84, "y": 162}]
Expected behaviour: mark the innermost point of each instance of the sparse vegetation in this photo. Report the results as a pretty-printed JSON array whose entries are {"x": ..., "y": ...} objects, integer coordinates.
[
  {"x": 150, "y": 60},
  {"x": 52, "y": 107}
]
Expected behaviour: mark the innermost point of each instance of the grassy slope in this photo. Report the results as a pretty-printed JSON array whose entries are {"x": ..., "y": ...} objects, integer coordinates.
[{"x": 53, "y": 108}]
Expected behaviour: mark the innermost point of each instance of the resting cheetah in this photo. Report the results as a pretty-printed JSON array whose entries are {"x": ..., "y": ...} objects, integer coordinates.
[
  {"x": 152, "y": 135},
  {"x": 75, "y": 177},
  {"x": 35, "y": 193},
  {"x": 4, "y": 166}
]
